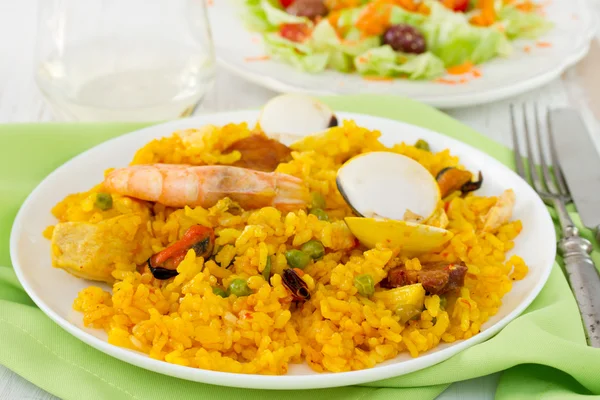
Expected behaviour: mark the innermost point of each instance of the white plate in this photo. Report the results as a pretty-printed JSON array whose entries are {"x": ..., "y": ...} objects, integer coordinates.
[
  {"x": 54, "y": 290},
  {"x": 575, "y": 25}
]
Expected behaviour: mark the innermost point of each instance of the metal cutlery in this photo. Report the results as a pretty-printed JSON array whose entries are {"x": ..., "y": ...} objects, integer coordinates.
[
  {"x": 580, "y": 164},
  {"x": 550, "y": 185}
]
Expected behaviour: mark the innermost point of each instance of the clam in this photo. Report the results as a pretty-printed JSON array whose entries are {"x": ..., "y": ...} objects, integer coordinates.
[
  {"x": 294, "y": 116},
  {"x": 392, "y": 195}
]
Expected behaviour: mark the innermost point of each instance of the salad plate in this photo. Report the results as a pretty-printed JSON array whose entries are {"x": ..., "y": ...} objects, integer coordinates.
[
  {"x": 30, "y": 253},
  {"x": 522, "y": 65}
]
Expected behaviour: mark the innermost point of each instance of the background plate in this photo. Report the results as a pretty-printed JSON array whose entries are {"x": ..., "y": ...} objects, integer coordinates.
[
  {"x": 54, "y": 290},
  {"x": 575, "y": 25}
]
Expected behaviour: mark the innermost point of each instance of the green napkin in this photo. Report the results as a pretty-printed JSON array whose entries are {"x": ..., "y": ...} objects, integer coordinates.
[{"x": 543, "y": 352}]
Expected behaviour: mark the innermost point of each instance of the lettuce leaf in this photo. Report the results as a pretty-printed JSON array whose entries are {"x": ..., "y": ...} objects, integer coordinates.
[
  {"x": 254, "y": 16},
  {"x": 400, "y": 16},
  {"x": 450, "y": 37},
  {"x": 519, "y": 24},
  {"x": 384, "y": 61},
  {"x": 324, "y": 37},
  {"x": 267, "y": 15},
  {"x": 277, "y": 16},
  {"x": 340, "y": 61},
  {"x": 300, "y": 55}
]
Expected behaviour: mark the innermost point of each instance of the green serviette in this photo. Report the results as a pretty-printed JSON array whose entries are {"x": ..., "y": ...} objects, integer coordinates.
[{"x": 542, "y": 352}]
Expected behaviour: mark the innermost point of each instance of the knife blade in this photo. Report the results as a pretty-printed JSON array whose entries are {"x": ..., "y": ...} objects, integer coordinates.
[{"x": 579, "y": 160}]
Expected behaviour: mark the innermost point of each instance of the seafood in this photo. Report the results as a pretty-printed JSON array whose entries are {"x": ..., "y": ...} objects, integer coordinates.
[
  {"x": 501, "y": 212},
  {"x": 260, "y": 153},
  {"x": 201, "y": 239},
  {"x": 90, "y": 250},
  {"x": 295, "y": 115},
  {"x": 186, "y": 185},
  {"x": 295, "y": 285},
  {"x": 436, "y": 279},
  {"x": 382, "y": 184},
  {"x": 452, "y": 179}
]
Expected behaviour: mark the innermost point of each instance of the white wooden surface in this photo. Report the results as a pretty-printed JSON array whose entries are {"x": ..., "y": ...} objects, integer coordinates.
[{"x": 20, "y": 101}]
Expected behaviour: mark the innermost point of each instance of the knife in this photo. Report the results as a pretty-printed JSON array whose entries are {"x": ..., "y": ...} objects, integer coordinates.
[{"x": 579, "y": 160}]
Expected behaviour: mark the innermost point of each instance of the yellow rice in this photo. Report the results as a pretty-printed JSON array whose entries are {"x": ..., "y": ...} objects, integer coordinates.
[{"x": 181, "y": 321}]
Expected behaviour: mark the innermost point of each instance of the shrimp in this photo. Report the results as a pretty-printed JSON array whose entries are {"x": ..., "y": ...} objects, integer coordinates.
[{"x": 185, "y": 185}]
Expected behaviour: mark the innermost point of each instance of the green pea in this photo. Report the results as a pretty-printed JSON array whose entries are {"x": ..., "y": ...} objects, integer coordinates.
[
  {"x": 318, "y": 201},
  {"x": 314, "y": 249},
  {"x": 422, "y": 144},
  {"x": 104, "y": 201},
  {"x": 319, "y": 213},
  {"x": 266, "y": 273},
  {"x": 239, "y": 287},
  {"x": 443, "y": 302},
  {"x": 364, "y": 284},
  {"x": 219, "y": 292},
  {"x": 297, "y": 259}
]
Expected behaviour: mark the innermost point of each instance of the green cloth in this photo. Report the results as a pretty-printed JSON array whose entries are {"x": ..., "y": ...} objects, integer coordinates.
[{"x": 543, "y": 352}]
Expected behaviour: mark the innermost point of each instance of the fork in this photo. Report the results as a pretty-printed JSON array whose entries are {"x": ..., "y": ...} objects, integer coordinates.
[{"x": 550, "y": 185}]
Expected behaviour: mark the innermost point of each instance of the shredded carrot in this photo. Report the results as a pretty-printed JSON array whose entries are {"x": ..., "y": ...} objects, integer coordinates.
[
  {"x": 375, "y": 18},
  {"x": 257, "y": 58},
  {"x": 336, "y": 5},
  {"x": 409, "y": 5},
  {"x": 463, "y": 80},
  {"x": 333, "y": 18},
  {"x": 476, "y": 73},
  {"x": 423, "y": 8},
  {"x": 448, "y": 4},
  {"x": 210, "y": 2},
  {"x": 255, "y": 39},
  {"x": 299, "y": 272},
  {"x": 446, "y": 81},
  {"x": 378, "y": 78},
  {"x": 527, "y": 49},
  {"x": 487, "y": 15},
  {"x": 543, "y": 44},
  {"x": 461, "y": 69},
  {"x": 526, "y": 6}
]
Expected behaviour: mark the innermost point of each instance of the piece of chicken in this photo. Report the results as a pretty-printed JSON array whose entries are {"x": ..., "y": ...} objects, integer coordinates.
[
  {"x": 501, "y": 212},
  {"x": 91, "y": 251}
]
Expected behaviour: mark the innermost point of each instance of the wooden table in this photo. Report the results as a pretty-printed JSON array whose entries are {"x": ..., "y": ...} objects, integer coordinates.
[{"x": 20, "y": 101}]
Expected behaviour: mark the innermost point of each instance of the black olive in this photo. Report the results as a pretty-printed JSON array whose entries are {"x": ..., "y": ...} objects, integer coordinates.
[
  {"x": 308, "y": 8},
  {"x": 405, "y": 38}
]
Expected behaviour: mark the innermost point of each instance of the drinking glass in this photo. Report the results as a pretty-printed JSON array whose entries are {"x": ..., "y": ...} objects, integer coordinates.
[{"x": 124, "y": 60}]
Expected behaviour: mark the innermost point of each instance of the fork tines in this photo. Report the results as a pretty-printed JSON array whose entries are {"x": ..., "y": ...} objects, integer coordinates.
[{"x": 540, "y": 148}]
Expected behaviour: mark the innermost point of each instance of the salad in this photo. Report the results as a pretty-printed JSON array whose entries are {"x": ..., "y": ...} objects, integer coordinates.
[{"x": 411, "y": 39}]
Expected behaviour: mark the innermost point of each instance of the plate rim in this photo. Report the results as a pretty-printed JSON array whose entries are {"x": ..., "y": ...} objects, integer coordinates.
[
  {"x": 454, "y": 100},
  {"x": 276, "y": 382}
]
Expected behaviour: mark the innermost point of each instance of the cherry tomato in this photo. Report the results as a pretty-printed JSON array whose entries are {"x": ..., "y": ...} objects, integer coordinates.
[
  {"x": 286, "y": 3},
  {"x": 460, "y": 5},
  {"x": 294, "y": 32}
]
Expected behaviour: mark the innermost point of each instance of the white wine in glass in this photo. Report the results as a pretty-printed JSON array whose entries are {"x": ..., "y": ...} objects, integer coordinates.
[{"x": 124, "y": 60}]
